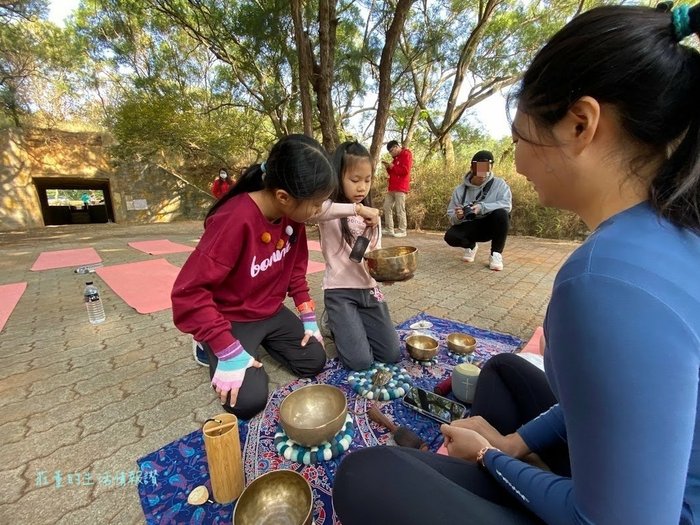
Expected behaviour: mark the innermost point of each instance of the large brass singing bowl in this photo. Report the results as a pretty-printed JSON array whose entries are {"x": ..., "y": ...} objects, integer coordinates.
[
  {"x": 281, "y": 497},
  {"x": 459, "y": 343},
  {"x": 397, "y": 263},
  {"x": 421, "y": 347},
  {"x": 313, "y": 414}
]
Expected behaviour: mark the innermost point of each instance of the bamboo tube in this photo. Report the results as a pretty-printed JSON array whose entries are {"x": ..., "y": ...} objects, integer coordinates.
[{"x": 223, "y": 446}]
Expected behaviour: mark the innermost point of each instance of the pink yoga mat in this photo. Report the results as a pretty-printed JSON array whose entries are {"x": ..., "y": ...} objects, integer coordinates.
[
  {"x": 314, "y": 267},
  {"x": 145, "y": 286},
  {"x": 65, "y": 258},
  {"x": 533, "y": 345},
  {"x": 9, "y": 297},
  {"x": 314, "y": 245},
  {"x": 160, "y": 247}
]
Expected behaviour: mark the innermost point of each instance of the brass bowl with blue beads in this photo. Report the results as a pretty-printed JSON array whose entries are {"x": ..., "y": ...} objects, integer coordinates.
[{"x": 313, "y": 414}]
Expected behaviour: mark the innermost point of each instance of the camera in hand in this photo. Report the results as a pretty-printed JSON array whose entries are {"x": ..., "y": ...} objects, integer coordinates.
[{"x": 469, "y": 214}]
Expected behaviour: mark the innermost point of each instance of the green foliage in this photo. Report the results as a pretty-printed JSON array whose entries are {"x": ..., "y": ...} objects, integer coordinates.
[
  {"x": 21, "y": 54},
  {"x": 171, "y": 128}
]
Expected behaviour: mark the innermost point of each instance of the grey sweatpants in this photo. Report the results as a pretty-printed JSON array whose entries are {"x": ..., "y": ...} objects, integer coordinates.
[{"x": 361, "y": 327}]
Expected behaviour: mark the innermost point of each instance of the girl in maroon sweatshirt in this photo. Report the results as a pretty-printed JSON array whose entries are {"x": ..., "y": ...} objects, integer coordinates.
[{"x": 229, "y": 294}]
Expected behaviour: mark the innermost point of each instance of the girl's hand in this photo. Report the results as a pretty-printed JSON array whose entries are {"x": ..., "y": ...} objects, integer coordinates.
[
  {"x": 370, "y": 215},
  {"x": 463, "y": 443},
  {"x": 229, "y": 373},
  {"x": 308, "y": 318}
]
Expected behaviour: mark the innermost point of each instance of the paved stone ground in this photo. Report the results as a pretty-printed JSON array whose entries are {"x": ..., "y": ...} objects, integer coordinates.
[{"x": 79, "y": 399}]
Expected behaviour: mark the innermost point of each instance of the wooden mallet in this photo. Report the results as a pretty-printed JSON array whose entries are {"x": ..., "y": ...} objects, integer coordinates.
[{"x": 403, "y": 436}]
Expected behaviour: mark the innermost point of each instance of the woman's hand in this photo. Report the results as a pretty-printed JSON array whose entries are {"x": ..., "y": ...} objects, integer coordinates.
[
  {"x": 463, "y": 443},
  {"x": 512, "y": 444},
  {"x": 480, "y": 425}
]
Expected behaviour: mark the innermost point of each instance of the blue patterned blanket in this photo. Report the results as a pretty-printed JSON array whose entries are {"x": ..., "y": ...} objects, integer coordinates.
[{"x": 181, "y": 465}]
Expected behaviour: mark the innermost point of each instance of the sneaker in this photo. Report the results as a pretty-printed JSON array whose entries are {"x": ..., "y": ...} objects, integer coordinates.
[
  {"x": 470, "y": 253},
  {"x": 200, "y": 354},
  {"x": 496, "y": 262},
  {"x": 387, "y": 233},
  {"x": 400, "y": 234}
]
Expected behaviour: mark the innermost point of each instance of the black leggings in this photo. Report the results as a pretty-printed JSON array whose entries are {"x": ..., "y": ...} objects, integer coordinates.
[
  {"x": 387, "y": 485},
  {"x": 280, "y": 336},
  {"x": 422, "y": 487},
  {"x": 492, "y": 227},
  {"x": 510, "y": 392}
]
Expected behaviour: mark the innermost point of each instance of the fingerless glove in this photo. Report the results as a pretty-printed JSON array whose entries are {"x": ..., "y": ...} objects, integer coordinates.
[{"x": 230, "y": 370}]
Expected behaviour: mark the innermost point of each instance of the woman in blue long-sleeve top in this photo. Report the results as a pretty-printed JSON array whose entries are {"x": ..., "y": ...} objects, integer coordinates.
[{"x": 608, "y": 126}]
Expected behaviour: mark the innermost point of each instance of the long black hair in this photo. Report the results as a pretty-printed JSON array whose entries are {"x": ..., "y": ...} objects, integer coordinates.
[
  {"x": 631, "y": 58},
  {"x": 343, "y": 157},
  {"x": 296, "y": 164}
]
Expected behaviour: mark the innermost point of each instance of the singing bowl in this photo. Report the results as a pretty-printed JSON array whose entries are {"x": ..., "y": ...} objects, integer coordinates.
[
  {"x": 313, "y": 414},
  {"x": 421, "y": 347},
  {"x": 459, "y": 343},
  {"x": 282, "y": 496},
  {"x": 397, "y": 263}
]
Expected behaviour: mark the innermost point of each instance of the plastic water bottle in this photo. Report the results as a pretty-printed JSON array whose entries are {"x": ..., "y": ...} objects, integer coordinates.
[{"x": 93, "y": 303}]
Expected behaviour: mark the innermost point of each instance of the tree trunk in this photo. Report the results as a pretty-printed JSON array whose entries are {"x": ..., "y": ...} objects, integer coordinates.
[
  {"x": 305, "y": 67},
  {"x": 448, "y": 151},
  {"x": 412, "y": 125},
  {"x": 384, "y": 94},
  {"x": 327, "y": 25}
]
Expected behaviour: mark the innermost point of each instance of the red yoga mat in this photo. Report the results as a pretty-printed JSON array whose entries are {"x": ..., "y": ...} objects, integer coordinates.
[
  {"x": 145, "y": 285},
  {"x": 65, "y": 258},
  {"x": 9, "y": 297},
  {"x": 160, "y": 247}
]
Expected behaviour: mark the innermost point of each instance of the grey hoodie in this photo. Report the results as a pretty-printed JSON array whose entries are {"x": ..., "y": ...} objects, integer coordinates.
[{"x": 499, "y": 196}]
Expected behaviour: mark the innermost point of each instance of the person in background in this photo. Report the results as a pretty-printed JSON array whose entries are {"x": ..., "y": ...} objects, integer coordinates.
[
  {"x": 221, "y": 184},
  {"x": 399, "y": 172},
  {"x": 357, "y": 313},
  {"x": 253, "y": 254},
  {"x": 607, "y": 126},
  {"x": 479, "y": 211}
]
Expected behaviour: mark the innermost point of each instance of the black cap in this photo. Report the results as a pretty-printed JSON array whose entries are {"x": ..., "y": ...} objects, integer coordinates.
[
  {"x": 88, "y": 283},
  {"x": 483, "y": 156},
  {"x": 391, "y": 144}
]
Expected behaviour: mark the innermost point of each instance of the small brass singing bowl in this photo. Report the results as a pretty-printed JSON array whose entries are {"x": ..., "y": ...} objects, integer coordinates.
[
  {"x": 459, "y": 343},
  {"x": 313, "y": 414},
  {"x": 394, "y": 264},
  {"x": 280, "y": 496},
  {"x": 421, "y": 347}
]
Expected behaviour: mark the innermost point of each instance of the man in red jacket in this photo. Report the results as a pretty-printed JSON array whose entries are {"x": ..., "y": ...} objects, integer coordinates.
[{"x": 399, "y": 182}]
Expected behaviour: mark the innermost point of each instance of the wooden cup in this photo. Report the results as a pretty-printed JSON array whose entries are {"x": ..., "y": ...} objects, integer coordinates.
[{"x": 223, "y": 446}]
